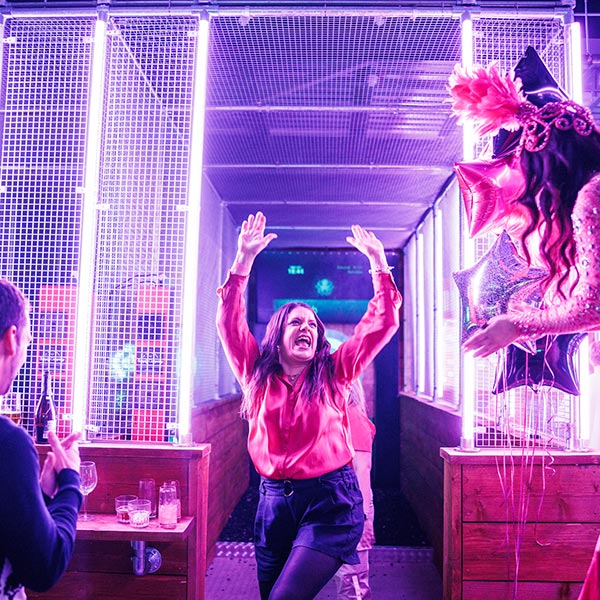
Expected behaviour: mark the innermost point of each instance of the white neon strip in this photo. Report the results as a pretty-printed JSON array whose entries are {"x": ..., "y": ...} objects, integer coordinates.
[
  {"x": 438, "y": 283},
  {"x": 468, "y": 402},
  {"x": 411, "y": 266},
  {"x": 468, "y": 362},
  {"x": 85, "y": 277},
  {"x": 192, "y": 236},
  {"x": 421, "y": 341},
  {"x": 585, "y": 392},
  {"x": 466, "y": 29},
  {"x": 466, "y": 40},
  {"x": 576, "y": 83}
]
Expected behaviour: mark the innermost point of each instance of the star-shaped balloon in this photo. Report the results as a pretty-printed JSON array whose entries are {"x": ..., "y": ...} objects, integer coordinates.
[
  {"x": 551, "y": 365},
  {"x": 487, "y": 287},
  {"x": 490, "y": 189}
]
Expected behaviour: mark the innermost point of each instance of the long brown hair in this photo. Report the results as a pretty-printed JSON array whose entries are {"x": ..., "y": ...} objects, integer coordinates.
[
  {"x": 320, "y": 371},
  {"x": 554, "y": 177}
]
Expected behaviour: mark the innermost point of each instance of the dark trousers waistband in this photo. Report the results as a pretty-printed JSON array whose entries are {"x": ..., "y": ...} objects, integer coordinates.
[{"x": 286, "y": 487}]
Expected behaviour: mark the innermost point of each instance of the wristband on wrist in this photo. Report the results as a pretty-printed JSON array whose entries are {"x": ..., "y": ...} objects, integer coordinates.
[{"x": 386, "y": 269}]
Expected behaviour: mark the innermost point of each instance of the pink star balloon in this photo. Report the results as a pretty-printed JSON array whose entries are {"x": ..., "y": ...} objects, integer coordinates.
[{"x": 490, "y": 188}]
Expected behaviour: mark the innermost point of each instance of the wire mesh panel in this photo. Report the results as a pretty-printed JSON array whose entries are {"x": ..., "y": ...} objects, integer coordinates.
[
  {"x": 45, "y": 79},
  {"x": 521, "y": 414},
  {"x": 328, "y": 110},
  {"x": 505, "y": 40},
  {"x": 141, "y": 226}
]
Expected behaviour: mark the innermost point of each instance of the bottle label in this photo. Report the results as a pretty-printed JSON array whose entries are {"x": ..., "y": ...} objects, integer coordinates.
[{"x": 50, "y": 426}]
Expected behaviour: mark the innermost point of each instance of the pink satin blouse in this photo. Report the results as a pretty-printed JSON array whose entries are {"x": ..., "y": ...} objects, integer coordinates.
[{"x": 288, "y": 438}]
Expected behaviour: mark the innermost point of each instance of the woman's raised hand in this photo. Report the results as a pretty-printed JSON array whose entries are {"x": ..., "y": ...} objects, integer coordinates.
[
  {"x": 251, "y": 241},
  {"x": 370, "y": 245}
]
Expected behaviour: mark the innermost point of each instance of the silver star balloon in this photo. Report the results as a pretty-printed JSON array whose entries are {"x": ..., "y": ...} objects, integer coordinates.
[{"x": 487, "y": 287}]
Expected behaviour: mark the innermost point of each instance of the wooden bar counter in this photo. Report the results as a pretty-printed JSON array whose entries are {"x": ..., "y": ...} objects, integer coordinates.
[
  {"x": 548, "y": 502},
  {"x": 101, "y": 566}
]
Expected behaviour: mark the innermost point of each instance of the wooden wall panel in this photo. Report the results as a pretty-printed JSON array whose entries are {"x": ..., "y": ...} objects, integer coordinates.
[
  {"x": 102, "y": 568},
  {"x": 553, "y": 494},
  {"x": 452, "y": 569},
  {"x": 115, "y": 557},
  {"x": 424, "y": 429},
  {"x": 115, "y": 478},
  {"x": 504, "y": 590},
  {"x": 548, "y": 551},
  {"x": 103, "y": 586},
  {"x": 495, "y": 538},
  {"x": 218, "y": 423}
]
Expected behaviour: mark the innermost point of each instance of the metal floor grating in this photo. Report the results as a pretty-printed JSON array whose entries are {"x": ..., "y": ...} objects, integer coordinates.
[
  {"x": 379, "y": 554},
  {"x": 398, "y": 573}
]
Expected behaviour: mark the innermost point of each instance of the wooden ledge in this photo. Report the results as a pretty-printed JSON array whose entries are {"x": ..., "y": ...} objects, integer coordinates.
[
  {"x": 104, "y": 527},
  {"x": 518, "y": 455}
]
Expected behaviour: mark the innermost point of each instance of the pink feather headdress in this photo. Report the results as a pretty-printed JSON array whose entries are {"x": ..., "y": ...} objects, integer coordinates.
[
  {"x": 486, "y": 98},
  {"x": 493, "y": 102}
]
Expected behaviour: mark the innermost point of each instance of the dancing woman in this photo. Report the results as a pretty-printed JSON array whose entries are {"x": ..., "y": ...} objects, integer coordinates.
[{"x": 310, "y": 515}]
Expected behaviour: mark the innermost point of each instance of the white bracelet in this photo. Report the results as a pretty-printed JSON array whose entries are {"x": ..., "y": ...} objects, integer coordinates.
[{"x": 386, "y": 269}]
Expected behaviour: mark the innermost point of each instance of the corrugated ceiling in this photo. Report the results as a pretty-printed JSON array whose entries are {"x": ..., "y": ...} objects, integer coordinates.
[{"x": 322, "y": 121}]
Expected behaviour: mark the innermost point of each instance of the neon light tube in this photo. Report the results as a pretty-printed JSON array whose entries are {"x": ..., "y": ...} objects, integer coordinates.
[
  {"x": 466, "y": 30},
  {"x": 85, "y": 277},
  {"x": 467, "y": 439},
  {"x": 438, "y": 282},
  {"x": 584, "y": 393},
  {"x": 576, "y": 79},
  {"x": 192, "y": 237},
  {"x": 421, "y": 304}
]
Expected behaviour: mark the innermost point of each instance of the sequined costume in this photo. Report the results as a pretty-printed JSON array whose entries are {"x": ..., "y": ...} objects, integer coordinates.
[{"x": 581, "y": 310}]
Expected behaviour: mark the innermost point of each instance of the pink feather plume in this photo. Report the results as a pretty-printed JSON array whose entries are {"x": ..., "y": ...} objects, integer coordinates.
[{"x": 486, "y": 98}]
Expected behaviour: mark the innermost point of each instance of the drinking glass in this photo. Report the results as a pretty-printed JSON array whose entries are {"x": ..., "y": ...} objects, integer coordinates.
[
  {"x": 147, "y": 490},
  {"x": 139, "y": 513},
  {"x": 10, "y": 406},
  {"x": 122, "y": 507},
  {"x": 167, "y": 507},
  {"x": 89, "y": 480},
  {"x": 175, "y": 484}
]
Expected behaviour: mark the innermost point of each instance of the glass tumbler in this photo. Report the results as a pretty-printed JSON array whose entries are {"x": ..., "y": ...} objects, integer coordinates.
[
  {"x": 122, "y": 507},
  {"x": 167, "y": 507},
  {"x": 147, "y": 490},
  {"x": 139, "y": 513},
  {"x": 175, "y": 484}
]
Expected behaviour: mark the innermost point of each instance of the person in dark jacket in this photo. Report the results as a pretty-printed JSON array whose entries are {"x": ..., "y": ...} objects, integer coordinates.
[{"x": 38, "y": 510}]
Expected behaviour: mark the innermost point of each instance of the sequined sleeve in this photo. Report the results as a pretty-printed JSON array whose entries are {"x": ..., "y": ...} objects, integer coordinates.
[{"x": 581, "y": 311}]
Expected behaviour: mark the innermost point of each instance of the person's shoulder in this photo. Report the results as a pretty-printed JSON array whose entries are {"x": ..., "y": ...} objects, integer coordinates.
[
  {"x": 13, "y": 437},
  {"x": 593, "y": 184},
  {"x": 588, "y": 199}
]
